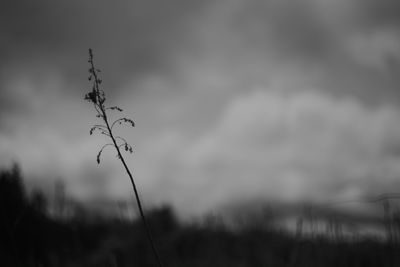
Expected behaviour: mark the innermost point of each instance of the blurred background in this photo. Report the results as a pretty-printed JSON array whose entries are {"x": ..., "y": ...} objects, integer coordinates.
[{"x": 242, "y": 108}]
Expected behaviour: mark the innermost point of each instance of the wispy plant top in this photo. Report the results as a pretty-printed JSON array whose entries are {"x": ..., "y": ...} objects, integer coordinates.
[{"x": 98, "y": 98}]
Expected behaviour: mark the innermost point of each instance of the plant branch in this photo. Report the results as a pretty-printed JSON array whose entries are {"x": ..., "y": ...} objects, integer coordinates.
[
  {"x": 97, "y": 97},
  {"x": 120, "y": 120},
  {"x": 122, "y": 139}
]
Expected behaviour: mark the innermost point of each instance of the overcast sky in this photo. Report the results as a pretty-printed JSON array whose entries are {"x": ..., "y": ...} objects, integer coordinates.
[{"x": 233, "y": 100}]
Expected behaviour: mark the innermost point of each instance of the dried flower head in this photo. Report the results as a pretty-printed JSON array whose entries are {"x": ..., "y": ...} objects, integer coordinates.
[{"x": 98, "y": 98}]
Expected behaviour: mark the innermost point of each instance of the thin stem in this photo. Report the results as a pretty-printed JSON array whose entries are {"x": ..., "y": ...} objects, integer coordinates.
[
  {"x": 100, "y": 126},
  {"x": 106, "y": 133},
  {"x": 98, "y": 111},
  {"x": 106, "y": 146},
  {"x": 122, "y": 139},
  {"x": 138, "y": 201},
  {"x": 120, "y": 119},
  {"x": 101, "y": 99}
]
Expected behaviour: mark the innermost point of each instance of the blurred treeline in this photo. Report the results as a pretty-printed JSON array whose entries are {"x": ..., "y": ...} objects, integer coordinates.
[{"x": 30, "y": 235}]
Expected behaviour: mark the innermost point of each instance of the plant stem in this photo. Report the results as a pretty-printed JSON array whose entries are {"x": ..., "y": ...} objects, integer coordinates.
[
  {"x": 113, "y": 138},
  {"x": 138, "y": 201}
]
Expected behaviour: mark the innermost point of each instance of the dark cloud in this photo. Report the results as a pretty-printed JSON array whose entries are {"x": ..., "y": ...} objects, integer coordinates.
[
  {"x": 129, "y": 37},
  {"x": 381, "y": 12},
  {"x": 135, "y": 38}
]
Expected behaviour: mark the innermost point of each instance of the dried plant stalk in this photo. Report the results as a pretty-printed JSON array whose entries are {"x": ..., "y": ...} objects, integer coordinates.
[{"x": 97, "y": 97}]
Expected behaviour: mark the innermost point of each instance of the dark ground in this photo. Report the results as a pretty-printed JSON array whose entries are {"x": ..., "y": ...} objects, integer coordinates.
[{"x": 29, "y": 236}]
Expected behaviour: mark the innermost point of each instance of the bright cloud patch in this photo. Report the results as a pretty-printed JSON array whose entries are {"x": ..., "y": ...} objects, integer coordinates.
[{"x": 300, "y": 147}]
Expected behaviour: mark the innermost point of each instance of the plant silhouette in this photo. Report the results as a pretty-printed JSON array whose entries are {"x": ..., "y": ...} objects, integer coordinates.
[{"x": 97, "y": 97}]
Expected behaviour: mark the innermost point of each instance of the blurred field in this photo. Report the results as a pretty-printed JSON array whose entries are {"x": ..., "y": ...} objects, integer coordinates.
[{"x": 32, "y": 234}]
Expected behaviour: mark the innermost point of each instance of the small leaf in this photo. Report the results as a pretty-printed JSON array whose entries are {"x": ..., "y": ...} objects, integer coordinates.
[
  {"x": 115, "y": 108},
  {"x": 131, "y": 122},
  {"x": 98, "y": 157}
]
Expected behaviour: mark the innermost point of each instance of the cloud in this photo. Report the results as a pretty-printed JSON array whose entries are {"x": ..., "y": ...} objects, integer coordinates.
[
  {"x": 231, "y": 44},
  {"x": 129, "y": 38},
  {"x": 295, "y": 147},
  {"x": 46, "y": 158},
  {"x": 379, "y": 49},
  {"x": 337, "y": 46}
]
